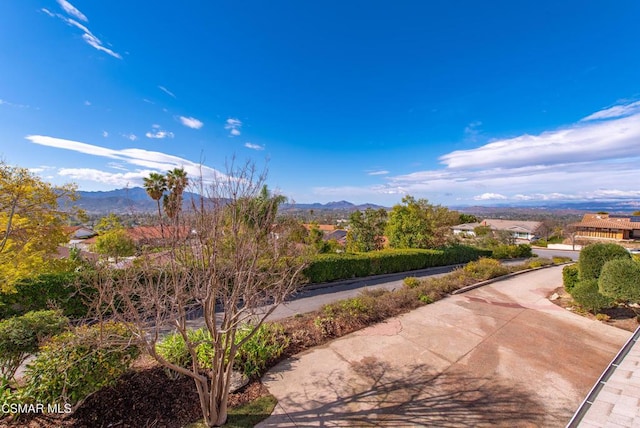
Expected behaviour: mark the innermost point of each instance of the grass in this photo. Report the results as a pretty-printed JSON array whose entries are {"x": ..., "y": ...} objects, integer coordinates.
[{"x": 246, "y": 415}]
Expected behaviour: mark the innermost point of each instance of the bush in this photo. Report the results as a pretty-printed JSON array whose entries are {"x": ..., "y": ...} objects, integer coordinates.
[
  {"x": 504, "y": 251},
  {"x": 75, "y": 364},
  {"x": 561, "y": 260},
  {"x": 537, "y": 262},
  {"x": 620, "y": 280},
  {"x": 21, "y": 336},
  {"x": 333, "y": 267},
  {"x": 47, "y": 291},
  {"x": 484, "y": 269},
  {"x": 255, "y": 355},
  {"x": 587, "y": 295},
  {"x": 570, "y": 277},
  {"x": 411, "y": 281},
  {"x": 594, "y": 256}
]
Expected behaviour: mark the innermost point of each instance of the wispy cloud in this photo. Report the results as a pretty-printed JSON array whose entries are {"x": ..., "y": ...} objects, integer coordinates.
[
  {"x": 71, "y": 10},
  {"x": 144, "y": 160},
  {"x": 105, "y": 134},
  {"x": 166, "y": 91},
  {"x": 253, "y": 146},
  {"x": 615, "y": 111},
  {"x": 87, "y": 35},
  {"x": 7, "y": 103},
  {"x": 233, "y": 125},
  {"x": 119, "y": 179},
  {"x": 190, "y": 122},
  {"x": 472, "y": 130},
  {"x": 130, "y": 137},
  {"x": 380, "y": 172},
  {"x": 87, "y": 103},
  {"x": 489, "y": 197},
  {"x": 594, "y": 159}
]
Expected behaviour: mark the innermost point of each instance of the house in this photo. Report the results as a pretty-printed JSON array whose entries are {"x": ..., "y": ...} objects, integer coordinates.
[
  {"x": 519, "y": 229},
  {"x": 606, "y": 226}
]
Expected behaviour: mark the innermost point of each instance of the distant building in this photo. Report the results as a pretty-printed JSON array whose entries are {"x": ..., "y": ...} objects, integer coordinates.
[
  {"x": 605, "y": 226},
  {"x": 519, "y": 229}
]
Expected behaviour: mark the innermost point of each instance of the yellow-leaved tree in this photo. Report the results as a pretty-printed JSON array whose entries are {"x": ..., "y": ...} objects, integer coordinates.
[{"x": 31, "y": 224}]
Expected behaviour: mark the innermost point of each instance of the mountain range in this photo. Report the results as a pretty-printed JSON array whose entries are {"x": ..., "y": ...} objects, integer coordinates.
[{"x": 136, "y": 200}]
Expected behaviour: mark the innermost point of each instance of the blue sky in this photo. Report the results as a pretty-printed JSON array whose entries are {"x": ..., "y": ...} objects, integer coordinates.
[{"x": 459, "y": 102}]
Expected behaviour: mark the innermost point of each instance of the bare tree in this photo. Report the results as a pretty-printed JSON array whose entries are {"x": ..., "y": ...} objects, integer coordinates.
[{"x": 228, "y": 260}]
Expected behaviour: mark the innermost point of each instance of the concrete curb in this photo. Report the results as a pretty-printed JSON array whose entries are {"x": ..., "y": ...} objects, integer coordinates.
[{"x": 502, "y": 278}]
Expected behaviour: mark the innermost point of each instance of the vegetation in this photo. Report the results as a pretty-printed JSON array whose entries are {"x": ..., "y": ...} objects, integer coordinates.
[
  {"x": 21, "y": 336},
  {"x": 233, "y": 264},
  {"x": 332, "y": 267},
  {"x": 570, "y": 277},
  {"x": 587, "y": 295},
  {"x": 366, "y": 230},
  {"x": 620, "y": 280},
  {"x": 418, "y": 224},
  {"x": 115, "y": 243},
  {"x": 31, "y": 225},
  {"x": 59, "y": 290},
  {"x": 594, "y": 256},
  {"x": 75, "y": 364}
]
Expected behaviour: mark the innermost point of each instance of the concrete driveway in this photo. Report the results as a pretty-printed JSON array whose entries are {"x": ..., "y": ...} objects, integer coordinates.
[{"x": 500, "y": 355}]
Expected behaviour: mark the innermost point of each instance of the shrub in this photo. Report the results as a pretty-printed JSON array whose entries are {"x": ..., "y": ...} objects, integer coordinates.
[
  {"x": 42, "y": 292},
  {"x": 75, "y": 364},
  {"x": 261, "y": 350},
  {"x": 594, "y": 256},
  {"x": 620, "y": 280},
  {"x": 332, "y": 267},
  {"x": 264, "y": 347},
  {"x": 504, "y": 251},
  {"x": 484, "y": 269},
  {"x": 21, "y": 336},
  {"x": 570, "y": 277},
  {"x": 561, "y": 260},
  {"x": 411, "y": 281},
  {"x": 586, "y": 294},
  {"x": 537, "y": 262}
]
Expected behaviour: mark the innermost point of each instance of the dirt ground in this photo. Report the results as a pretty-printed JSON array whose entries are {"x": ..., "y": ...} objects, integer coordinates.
[{"x": 619, "y": 317}]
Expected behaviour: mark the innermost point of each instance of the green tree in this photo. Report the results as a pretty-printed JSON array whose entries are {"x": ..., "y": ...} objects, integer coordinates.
[
  {"x": 467, "y": 218},
  {"x": 115, "y": 243},
  {"x": 31, "y": 224},
  {"x": 366, "y": 230},
  {"x": 107, "y": 223},
  {"x": 593, "y": 257},
  {"x": 418, "y": 224}
]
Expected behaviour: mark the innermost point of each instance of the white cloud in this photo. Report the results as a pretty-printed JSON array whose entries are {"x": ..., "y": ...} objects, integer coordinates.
[
  {"x": 105, "y": 134},
  {"x": 166, "y": 91},
  {"x": 233, "y": 125},
  {"x": 87, "y": 35},
  {"x": 253, "y": 146},
  {"x": 381, "y": 172},
  {"x": 71, "y": 10},
  {"x": 584, "y": 161},
  {"x": 7, "y": 103},
  {"x": 159, "y": 135},
  {"x": 471, "y": 131},
  {"x": 87, "y": 103},
  {"x": 151, "y": 160},
  {"x": 489, "y": 197},
  {"x": 615, "y": 111},
  {"x": 130, "y": 137},
  {"x": 119, "y": 179},
  {"x": 190, "y": 122}
]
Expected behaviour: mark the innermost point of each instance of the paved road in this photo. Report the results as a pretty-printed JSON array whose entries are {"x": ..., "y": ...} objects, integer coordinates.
[
  {"x": 543, "y": 252},
  {"x": 500, "y": 355}
]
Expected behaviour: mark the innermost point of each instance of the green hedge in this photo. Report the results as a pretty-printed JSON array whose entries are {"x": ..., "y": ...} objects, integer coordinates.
[
  {"x": 587, "y": 294},
  {"x": 512, "y": 251},
  {"x": 333, "y": 267},
  {"x": 42, "y": 292}
]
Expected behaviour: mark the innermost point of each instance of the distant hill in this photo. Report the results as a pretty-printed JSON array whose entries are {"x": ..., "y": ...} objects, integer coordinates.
[{"x": 136, "y": 200}]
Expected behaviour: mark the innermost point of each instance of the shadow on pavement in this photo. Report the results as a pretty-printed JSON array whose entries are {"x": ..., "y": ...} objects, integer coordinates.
[{"x": 380, "y": 395}]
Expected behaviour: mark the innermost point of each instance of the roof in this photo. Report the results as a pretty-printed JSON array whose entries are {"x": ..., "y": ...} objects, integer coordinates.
[
  {"x": 466, "y": 226},
  {"x": 510, "y": 225},
  {"x": 607, "y": 224}
]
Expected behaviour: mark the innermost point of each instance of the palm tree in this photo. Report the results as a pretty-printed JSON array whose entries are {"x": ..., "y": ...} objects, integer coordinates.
[
  {"x": 155, "y": 185},
  {"x": 177, "y": 181}
]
